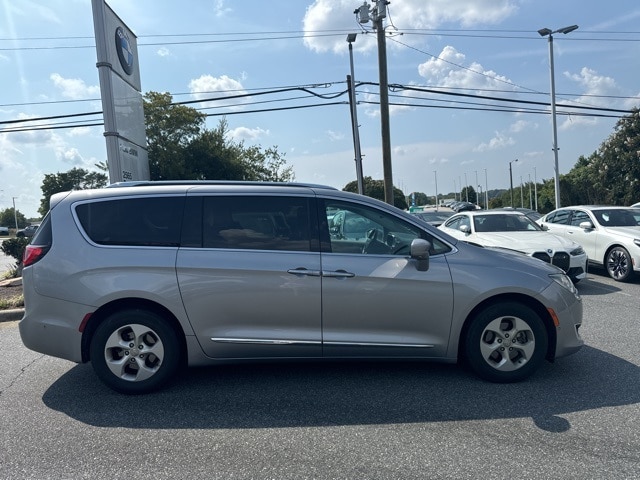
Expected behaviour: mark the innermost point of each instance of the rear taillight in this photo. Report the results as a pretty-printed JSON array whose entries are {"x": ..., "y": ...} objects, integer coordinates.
[{"x": 33, "y": 253}]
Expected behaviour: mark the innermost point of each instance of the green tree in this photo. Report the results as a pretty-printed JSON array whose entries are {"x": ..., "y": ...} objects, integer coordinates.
[
  {"x": 375, "y": 189},
  {"x": 181, "y": 148},
  {"x": 170, "y": 128},
  {"x": 610, "y": 175},
  {"x": 7, "y": 219},
  {"x": 74, "y": 179},
  {"x": 419, "y": 198},
  {"x": 617, "y": 162},
  {"x": 470, "y": 191}
]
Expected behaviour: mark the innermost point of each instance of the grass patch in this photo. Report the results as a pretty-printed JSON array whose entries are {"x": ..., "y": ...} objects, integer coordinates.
[{"x": 12, "y": 302}]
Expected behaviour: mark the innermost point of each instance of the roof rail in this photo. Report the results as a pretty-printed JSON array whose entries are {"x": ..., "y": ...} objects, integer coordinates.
[{"x": 146, "y": 183}]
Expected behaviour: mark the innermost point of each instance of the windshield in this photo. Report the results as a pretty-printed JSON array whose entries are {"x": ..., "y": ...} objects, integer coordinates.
[
  {"x": 504, "y": 223},
  {"x": 617, "y": 217}
]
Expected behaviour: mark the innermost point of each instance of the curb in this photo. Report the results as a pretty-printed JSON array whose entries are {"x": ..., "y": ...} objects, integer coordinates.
[{"x": 11, "y": 314}]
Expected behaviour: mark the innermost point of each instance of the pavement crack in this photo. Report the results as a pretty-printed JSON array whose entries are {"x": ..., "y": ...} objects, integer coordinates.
[{"x": 22, "y": 371}]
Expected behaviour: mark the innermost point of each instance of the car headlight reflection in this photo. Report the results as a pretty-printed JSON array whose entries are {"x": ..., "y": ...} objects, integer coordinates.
[
  {"x": 565, "y": 282},
  {"x": 577, "y": 251}
]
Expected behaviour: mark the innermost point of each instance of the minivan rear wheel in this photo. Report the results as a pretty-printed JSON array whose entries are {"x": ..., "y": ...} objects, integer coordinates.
[
  {"x": 135, "y": 351},
  {"x": 506, "y": 342}
]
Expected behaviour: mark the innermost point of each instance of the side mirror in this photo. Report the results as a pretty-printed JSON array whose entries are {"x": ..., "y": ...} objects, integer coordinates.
[
  {"x": 544, "y": 227},
  {"x": 586, "y": 226},
  {"x": 466, "y": 229},
  {"x": 420, "y": 252}
]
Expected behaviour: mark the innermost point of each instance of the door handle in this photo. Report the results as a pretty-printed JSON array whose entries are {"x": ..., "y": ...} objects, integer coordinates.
[
  {"x": 304, "y": 272},
  {"x": 338, "y": 274}
]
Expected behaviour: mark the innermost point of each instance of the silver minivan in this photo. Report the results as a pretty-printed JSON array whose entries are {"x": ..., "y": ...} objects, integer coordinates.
[{"x": 144, "y": 278}]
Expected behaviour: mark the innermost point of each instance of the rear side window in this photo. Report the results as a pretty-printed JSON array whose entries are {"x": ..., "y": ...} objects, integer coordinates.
[
  {"x": 257, "y": 223},
  {"x": 148, "y": 221},
  {"x": 560, "y": 217}
]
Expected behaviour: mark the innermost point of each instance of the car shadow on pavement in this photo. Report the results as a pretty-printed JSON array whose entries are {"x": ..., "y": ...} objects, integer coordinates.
[{"x": 350, "y": 393}]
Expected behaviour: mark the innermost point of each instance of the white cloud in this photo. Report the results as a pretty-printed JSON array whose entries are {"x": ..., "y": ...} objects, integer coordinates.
[
  {"x": 521, "y": 125},
  {"x": 209, "y": 87},
  {"x": 446, "y": 71},
  {"x": 79, "y": 132},
  {"x": 220, "y": 9},
  {"x": 499, "y": 141},
  {"x": 249, "y": 134},
  {"x": 325, "y": 15},
  {"x": 596, "y": 88},
  {"x": 335, "y": 136},
  {"x": 74, "y": 88},
  {"x": 69, "y": 155},
  {"x": 163, "y": 52}
]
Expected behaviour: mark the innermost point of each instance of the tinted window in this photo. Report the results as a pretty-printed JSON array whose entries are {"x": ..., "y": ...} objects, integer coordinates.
[
  {"x": 561, "y": 216},
  {"x": 256, "y": 223},
  {"x": 149, "y": 221},
  {"x": 359, "y": 229},
  {"x": 43, "y": 235},
  {"x": 578, "y": 217}
]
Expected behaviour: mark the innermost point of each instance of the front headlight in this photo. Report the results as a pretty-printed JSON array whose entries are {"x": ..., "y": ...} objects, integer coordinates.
[
  {"x": 577, "y": 251},
  {"x": 636, "y": 241},
  {"x": 565, "y": 282}
]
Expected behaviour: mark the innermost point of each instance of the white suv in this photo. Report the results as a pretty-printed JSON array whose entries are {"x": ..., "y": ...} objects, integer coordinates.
[{"x": 142, "y": 279}]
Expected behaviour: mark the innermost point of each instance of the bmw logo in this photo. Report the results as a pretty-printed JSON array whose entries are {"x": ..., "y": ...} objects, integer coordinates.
[{"x": 125, "y": 52}]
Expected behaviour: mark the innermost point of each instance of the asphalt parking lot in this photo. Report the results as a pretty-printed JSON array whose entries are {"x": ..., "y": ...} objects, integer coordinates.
[{"x": 574, "y": 419}]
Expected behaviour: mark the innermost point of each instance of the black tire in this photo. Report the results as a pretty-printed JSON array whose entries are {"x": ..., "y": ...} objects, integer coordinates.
[
  {"x": 135, "y": 351},
  {"x": 506, "y": 342},
  {"x": 619, "y": 265}
]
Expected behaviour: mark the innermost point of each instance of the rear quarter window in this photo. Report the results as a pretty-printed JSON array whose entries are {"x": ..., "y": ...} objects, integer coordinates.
[{"x": 148, "y": 221}]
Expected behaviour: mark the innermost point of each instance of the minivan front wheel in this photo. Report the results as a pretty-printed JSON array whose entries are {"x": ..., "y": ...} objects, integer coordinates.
[
  {"x": 506, "y": 342},
  {"x": 135, "y": 351}
]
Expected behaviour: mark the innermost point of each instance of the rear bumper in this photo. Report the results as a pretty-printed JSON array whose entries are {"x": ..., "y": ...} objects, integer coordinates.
[{"x": 54, "y": 330}]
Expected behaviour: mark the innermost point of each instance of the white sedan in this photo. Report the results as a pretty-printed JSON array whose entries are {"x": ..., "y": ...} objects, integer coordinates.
[
  {"x": 609, "y": 235},
  {"x": 515, "y": 231}
]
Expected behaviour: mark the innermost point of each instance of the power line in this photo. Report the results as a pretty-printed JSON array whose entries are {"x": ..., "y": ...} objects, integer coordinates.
[{"x": 516, "y": 106}]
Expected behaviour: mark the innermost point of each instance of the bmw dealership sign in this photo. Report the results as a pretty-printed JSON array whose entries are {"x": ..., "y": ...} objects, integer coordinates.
[
  {"x": 122, "y": 104},
  {"x": 124, "y": 50}
]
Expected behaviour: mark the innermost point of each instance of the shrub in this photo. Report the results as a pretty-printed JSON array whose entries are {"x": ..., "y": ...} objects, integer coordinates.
[{"x": 14, "y": 247}]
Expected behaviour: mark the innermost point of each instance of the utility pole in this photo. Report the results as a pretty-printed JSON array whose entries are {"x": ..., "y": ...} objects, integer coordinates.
[
  {"x": 354, "y": 116},
  {"x": 376, "y": 15}
]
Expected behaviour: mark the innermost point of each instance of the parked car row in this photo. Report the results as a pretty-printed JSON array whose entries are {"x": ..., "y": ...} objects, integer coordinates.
[
  {"x": 28, "y": 231},
  {"x": 463, "y": 206},
  {"x": 434, "y": 217},
  {"x": 513, "y": 230},
  {"x": 609, "y": 235}
]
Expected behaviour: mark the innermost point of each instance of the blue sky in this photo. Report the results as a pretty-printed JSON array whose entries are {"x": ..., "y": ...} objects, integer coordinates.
[{"x": 203, "y": 49}]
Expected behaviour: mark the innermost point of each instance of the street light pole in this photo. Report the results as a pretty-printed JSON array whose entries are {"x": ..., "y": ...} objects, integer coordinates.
[
  {"x": 435, "y": 173},
  {"x": 15, "y": 215},
  {"x": 354, "y": 117},
  {"x": 486, "y": 190},
  {"x": 548, "y": 32},
  {"x": 535, "y": 186},
  {"x": 511, "y": 180}
]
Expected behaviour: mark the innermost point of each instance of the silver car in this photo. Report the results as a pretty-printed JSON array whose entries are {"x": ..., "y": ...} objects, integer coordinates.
[
  {"x": 609, "y": 235},
  {"x": 140, "y": 280}
]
